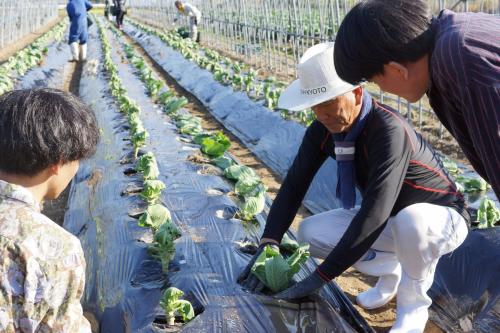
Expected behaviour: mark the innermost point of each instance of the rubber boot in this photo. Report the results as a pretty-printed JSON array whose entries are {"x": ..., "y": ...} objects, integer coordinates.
[
  {"x": 387, "y": 267},
  {"x": 74, "y": 51},
  {"x": 412, "y": 304},
  {"x": 83, "y": 52}
]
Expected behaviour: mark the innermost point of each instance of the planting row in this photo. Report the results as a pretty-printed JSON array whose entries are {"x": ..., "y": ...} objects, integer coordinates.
[
  {"x": 156, "y": 216},
  {"x": 238, "y": 75},
  {"x": 29, "y": 57},
  {"x": 248, "y": 186}
]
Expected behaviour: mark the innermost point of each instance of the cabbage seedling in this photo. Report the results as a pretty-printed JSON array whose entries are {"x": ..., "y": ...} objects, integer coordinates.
[
  {"x": 276, "y": 272},
  {"x": 163, "y": 247},
  {"x": 147, "y": 166},
  {"x": 487, "y": 214},
  {"x": 139, "y": 140},
  {"x": 154, "y": 217},
  {"x": 173, "y": 305},
  {"x": 152, "y": 190}
]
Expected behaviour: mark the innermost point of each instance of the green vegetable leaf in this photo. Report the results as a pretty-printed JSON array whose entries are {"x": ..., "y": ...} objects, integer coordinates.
[
  {"x": 237, "y": 172},
  {"x": 173, "y": 305},
  {"x": 147, "y": 166},
  {"x": 488, "y": 214},
  {"x": 222, "y": 162},
  {"x": 152, "y": 190},
  {"x": 154, "y": 217},
  {"x": 215, "y": 145},
  {"x": 276, "y": 268}
]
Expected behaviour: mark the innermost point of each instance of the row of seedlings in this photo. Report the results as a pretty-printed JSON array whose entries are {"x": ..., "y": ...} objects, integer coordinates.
[
  {"x": 271, "y": 267},
  {"x": 27, "y": 58},
  {"x": 238, "y": 75},
  {"x": 156, "y": 216},
  {"x": 488, "y": 214},
  {"x": 248, "y": 185},
  {"x": 231, "y": 73}
]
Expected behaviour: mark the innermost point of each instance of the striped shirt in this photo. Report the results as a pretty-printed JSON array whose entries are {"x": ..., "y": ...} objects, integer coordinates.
[{"x": 465, "y": 87}]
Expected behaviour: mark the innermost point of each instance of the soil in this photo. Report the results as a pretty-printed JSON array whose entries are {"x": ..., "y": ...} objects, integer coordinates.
[
  {"x": 19, "y": 44},
  {"x": 351, "y": 282}
]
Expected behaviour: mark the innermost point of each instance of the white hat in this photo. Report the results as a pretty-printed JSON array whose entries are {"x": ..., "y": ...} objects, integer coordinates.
[{"x": 318, "y": 81}]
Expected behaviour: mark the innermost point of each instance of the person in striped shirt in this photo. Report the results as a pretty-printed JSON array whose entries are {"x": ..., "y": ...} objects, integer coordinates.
[{"x": 453, "y": 58}]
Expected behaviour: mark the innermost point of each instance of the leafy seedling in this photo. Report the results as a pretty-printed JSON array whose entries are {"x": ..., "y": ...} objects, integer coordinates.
[
  {"x": 152, "y": 190},
  {"x": 488, "y": 215},
  {"x": 147, "y": 165},
  {"x": 276, "y": 272},
  {"x": 154, "y": 217},
  {"x": 173, "y": 305}
]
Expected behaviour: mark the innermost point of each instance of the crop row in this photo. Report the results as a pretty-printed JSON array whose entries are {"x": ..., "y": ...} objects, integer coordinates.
[
  {"x": 28, "y": 57},
  {"x": 238, "y": 75}
]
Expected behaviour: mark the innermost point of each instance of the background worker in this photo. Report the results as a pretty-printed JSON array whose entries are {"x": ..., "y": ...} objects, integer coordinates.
[
  {"x": 194, "y": 17},
  {"x": 121, "y": 10},
  {"x": 78, "y": 30},
  {"x": 411, "y": 212}
]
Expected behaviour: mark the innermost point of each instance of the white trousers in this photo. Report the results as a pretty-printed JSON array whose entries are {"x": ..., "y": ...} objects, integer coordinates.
[
  {"x": 193, "y": 28},
  {"x": 413, "y": 240},
  {"x": 418, "y": 235}
]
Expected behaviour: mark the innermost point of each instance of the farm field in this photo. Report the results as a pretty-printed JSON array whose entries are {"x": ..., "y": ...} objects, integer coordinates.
[{"x": 192, "y": 154}]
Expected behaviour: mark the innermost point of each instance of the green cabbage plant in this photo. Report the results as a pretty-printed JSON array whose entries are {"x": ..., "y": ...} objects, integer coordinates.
[
  {"x": 276, "y": 272},
  {"x": 173, "y": 305},
  {"x": 152, "y": 190}
]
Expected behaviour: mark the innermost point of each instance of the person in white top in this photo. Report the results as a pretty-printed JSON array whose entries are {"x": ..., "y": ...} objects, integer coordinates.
[{"x": 194, "y": 15}]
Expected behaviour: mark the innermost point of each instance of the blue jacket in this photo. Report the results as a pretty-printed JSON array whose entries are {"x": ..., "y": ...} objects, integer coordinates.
[{"x": 77, "y": 12}]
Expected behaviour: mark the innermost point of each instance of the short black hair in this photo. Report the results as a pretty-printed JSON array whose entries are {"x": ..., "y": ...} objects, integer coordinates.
[
  {"x": 376, "y": 32},
  {"x": 42, "y": 127}
]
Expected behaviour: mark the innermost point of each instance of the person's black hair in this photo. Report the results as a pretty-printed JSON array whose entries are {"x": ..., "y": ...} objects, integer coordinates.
[
  {"x": 42, "y": 127},
  {"x": 376, "y": 32}
]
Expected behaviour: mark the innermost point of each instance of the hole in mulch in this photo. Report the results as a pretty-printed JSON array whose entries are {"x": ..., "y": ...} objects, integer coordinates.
[
  {"x": 226, "y": 213},
  {"x": 132, "y": 188},
  {"x": 129, "y": 171},
  {"x": 209, "y": 170},
  {"x": 129, "y": 158},
  {"x": 215, "y": 191},
  {"x": 246, "y": 245},
  {"x": 136, "y": 211},
  {"x": 198, "y": 158}
]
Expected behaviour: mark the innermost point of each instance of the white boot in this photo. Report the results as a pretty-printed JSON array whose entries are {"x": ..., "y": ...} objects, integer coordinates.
[
  {"x": 386, "y": 266},
  {"x": 74, "y": 51},
  {"x": 83, "y": 52},
  {"x": 412, "y": 304}
]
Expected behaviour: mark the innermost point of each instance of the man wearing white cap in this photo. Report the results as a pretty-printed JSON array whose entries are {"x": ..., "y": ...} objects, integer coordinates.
[
  {"x": 194, "y": 15},
  {"x": 411, "y": 212}
]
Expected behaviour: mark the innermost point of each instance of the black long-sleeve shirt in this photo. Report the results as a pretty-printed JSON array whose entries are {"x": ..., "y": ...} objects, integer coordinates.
[{"x": 395, "y": 168}]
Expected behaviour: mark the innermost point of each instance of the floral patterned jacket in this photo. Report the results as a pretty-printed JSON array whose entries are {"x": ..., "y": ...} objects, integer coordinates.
[{"x": 42, "y": 269}]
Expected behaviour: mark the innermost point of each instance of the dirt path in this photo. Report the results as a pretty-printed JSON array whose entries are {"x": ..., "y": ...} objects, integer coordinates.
[
  {"x": 351, "y": 282},
  {"x": 19, "y": 44}
]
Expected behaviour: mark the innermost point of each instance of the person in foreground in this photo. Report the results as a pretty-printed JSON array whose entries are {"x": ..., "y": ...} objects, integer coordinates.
[
  {"x": 454, "y": 59},
  {"x": 43, "y": 135},
  {"x": 411, "y": 212}
]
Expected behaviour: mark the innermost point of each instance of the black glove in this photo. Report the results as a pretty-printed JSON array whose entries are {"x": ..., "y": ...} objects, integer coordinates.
[
  {"x": 248, "y": 280},
  {"x": 306, "y": 287}
]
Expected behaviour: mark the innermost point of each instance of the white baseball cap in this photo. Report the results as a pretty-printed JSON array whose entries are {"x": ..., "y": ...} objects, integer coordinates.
[{"x": 317, "y": 81}]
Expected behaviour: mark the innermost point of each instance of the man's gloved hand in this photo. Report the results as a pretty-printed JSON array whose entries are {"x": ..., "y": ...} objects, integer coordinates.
[
  {"x": 306, "y": 287},
  {"x": 248, "y": 280}
]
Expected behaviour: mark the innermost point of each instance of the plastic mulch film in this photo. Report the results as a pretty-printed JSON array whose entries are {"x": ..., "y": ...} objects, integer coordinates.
[
  {"x": 123, "y": 284},
  {"x": 457, "y": 303},
  {"x": 466, "y": 287}
]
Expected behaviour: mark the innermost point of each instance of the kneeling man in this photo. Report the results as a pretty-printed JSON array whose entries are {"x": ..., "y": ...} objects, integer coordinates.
[{"x": 411, "y": 212}]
